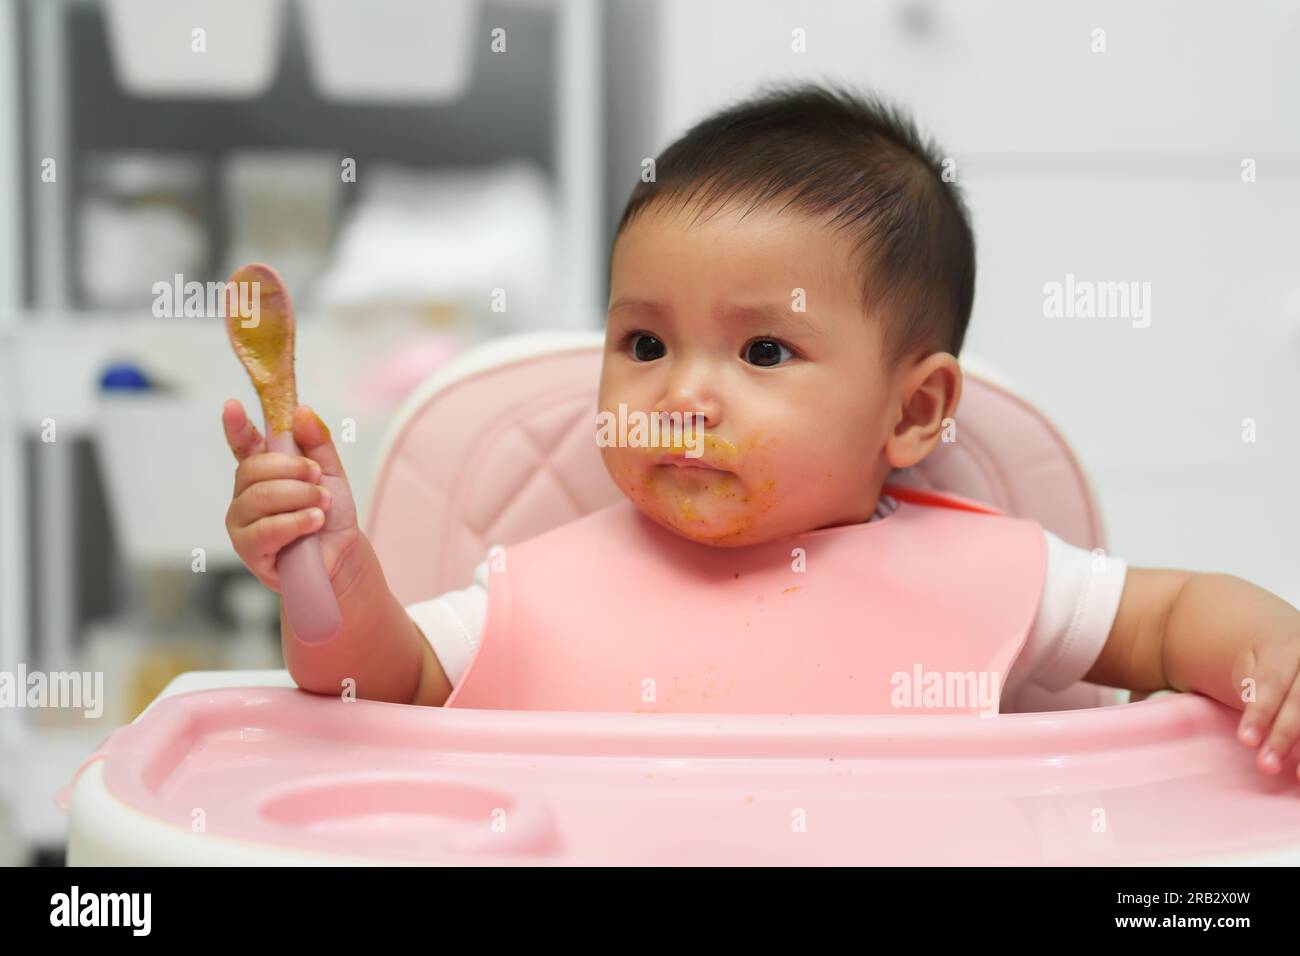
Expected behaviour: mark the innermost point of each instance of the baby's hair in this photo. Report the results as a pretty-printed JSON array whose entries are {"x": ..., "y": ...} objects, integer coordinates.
[{"x": 825, "y": 150}]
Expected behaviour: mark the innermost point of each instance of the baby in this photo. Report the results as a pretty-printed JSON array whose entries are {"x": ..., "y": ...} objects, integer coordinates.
[{"x": 795, "y": 278}]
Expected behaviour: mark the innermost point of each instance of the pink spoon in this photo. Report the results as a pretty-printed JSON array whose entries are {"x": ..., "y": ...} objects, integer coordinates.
[{"x": 259, "y": 320}]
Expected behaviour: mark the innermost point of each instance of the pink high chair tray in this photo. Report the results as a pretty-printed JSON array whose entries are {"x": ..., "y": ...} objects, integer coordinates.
[{"x": 278, "y": 775}]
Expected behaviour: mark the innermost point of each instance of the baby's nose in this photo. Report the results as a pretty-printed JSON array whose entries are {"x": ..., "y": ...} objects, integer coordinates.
[{"x": 687, "y": 416}]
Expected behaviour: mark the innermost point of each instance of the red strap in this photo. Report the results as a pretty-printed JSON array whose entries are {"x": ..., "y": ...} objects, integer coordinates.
[{"x": 925, "y": 496}]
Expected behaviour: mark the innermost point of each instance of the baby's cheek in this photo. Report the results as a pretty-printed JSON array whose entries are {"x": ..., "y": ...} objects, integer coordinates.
[{"x": 627, "y": 471}]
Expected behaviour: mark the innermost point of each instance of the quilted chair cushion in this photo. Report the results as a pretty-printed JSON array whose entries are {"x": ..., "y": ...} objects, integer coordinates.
[{"x": 499, "y": 446}]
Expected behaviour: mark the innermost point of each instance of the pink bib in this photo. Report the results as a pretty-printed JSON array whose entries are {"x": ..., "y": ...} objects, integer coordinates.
[{"x": 922, "y": 611}]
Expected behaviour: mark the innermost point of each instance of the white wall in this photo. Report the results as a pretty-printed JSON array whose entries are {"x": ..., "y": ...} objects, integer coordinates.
[{"x": 1115, "y": 166}]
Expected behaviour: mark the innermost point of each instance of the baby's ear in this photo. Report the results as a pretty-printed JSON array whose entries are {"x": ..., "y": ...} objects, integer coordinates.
[{"x": 928, "y": 396}]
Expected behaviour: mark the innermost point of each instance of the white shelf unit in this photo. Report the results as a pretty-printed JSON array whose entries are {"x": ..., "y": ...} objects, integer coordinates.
[{"x": 47, "y": 324}]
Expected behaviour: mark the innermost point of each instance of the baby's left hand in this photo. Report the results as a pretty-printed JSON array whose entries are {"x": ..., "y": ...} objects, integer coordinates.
[
  {"x": 1217, "y": 635},
  {"x": 1267, "y": 672}
]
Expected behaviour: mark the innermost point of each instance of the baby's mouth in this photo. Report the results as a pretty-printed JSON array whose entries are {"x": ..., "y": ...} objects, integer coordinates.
[
  {"x": 712, "y": 453},
  {"x": 681, "y": 461}
]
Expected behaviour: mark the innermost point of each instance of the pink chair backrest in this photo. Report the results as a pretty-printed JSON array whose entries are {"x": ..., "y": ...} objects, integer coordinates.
[{"x": 499, "y": 446}]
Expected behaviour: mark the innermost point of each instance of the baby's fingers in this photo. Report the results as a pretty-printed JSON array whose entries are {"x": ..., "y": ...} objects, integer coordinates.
[
  {"x": 241, "y": 434},
  {"x": 1274, "y": 715},
  {"x": 277, "y": 496},
  {"x": 268, "y": 535},
  {"x": 1282, "y": 736},
  {"x": 271, "y": 465},
  {"x": 313, "y": 437}
]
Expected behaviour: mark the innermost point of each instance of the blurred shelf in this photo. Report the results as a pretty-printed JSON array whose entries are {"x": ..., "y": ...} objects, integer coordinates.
[
  {"x": 58, "y": 359},
  {"x": 43, "y": 761},
  {"x": 61, "y": 98}
]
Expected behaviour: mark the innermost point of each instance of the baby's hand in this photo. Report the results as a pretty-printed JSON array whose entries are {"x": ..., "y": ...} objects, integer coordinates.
[
  {"x": 1267, "y": 671},
  {"x": 279, "y": 498}
]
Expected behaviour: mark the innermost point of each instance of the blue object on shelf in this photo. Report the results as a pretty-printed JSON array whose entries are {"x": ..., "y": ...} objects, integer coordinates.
[{"x": 124, "y": 376}]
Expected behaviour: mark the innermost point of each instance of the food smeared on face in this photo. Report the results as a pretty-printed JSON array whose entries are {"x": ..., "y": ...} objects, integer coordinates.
[{"x": 712, "y": 498}]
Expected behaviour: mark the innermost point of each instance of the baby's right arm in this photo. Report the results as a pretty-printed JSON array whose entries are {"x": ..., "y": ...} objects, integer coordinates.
[{"x": 278, "y": 499}]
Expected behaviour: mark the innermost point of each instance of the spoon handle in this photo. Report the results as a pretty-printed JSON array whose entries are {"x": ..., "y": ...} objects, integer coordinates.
[{"x": 305, "y": 589}]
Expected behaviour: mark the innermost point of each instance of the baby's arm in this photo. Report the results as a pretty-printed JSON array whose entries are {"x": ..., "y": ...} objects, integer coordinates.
[
  {"x": 379, "y": 646},
  {"x": 1215, "y": 634}
]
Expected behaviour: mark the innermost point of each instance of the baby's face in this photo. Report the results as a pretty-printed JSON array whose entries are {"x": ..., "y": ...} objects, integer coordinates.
[{"x": 795, "y": 400}]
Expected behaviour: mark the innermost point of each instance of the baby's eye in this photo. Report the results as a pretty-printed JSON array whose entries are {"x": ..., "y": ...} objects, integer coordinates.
[
  {"x": 646, "y": 347},
  {"x": 766, "y": 353}
]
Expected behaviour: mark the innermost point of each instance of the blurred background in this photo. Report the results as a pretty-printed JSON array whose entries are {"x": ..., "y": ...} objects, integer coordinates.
[{"x": 399, "y": 161}]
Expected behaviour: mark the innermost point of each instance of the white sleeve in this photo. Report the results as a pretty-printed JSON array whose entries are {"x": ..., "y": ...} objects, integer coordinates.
[
  {"x": 1080, "y": 598},
  {"x": 452, "y": 623}
]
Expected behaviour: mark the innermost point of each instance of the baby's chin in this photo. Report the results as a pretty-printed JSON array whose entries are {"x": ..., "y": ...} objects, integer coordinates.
[
  {"x": 717, "y": 536},
  {"x": 707, "y": 506}
]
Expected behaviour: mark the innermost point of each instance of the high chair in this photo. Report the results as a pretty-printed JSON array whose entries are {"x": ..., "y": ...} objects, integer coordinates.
[{"x": 497, "y": 447}]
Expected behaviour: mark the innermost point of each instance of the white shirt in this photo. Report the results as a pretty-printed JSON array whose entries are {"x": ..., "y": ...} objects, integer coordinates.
[{"x": 1080, "y": 598}]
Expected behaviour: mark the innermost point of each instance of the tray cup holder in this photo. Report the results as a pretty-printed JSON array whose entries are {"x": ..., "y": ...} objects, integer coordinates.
[{"x": 460, "y": 816}]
